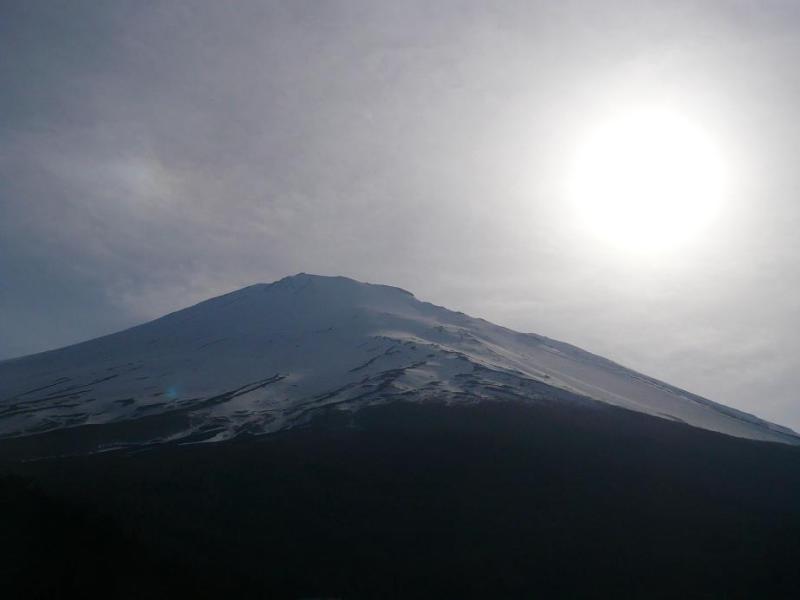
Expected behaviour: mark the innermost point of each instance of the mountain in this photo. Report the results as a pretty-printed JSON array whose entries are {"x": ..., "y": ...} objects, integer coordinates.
[
  {"x": 412, "y": 452},
  {"x": 271, "y": 356}
]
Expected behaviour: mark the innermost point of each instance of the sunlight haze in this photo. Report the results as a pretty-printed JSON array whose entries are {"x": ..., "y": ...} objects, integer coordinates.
[{"x": 618, "y": 175}]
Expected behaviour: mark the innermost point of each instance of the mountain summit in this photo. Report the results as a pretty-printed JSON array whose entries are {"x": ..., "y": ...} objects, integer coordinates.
[{"x": 271, "y": 356}]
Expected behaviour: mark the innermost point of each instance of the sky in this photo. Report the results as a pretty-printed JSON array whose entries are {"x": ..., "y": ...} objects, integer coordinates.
[{"x": 154, "y": 154}]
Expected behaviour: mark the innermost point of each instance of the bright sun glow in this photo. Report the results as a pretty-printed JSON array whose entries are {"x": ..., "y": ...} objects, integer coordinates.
[{"x": 647, "y": 181}]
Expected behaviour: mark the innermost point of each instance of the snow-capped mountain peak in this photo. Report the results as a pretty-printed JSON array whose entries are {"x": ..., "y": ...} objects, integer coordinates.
[{"x": 269, "y": 356}]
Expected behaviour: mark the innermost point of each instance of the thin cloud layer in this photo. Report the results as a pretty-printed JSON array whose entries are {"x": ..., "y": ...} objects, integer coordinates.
[{"x": 155, "y": 154}]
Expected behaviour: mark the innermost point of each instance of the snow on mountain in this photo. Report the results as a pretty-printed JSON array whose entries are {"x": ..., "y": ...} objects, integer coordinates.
[{"x": 269, "y": 356}]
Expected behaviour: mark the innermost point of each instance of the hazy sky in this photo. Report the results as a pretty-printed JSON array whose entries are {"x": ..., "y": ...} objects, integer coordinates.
[{"x": 154, "y": 154}]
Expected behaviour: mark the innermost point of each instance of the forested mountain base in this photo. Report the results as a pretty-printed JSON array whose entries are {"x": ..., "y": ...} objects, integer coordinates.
[{"x": 410, "y": 500}]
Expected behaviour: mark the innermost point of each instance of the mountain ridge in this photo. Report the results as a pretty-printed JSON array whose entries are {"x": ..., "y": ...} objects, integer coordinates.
[{"x": 269, "y": 356}]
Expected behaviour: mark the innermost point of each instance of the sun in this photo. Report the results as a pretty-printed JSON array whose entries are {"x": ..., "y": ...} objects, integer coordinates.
[{"x": 648, "y": 180}]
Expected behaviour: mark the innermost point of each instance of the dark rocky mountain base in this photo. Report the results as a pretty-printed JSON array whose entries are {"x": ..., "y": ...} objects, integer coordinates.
[{"x": 414, "y": 500}]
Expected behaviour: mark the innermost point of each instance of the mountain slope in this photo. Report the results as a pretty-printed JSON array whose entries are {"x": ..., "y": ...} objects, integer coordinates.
[
  {"x": 414, "y": 499},
  {"x": 270, "y": 356}
]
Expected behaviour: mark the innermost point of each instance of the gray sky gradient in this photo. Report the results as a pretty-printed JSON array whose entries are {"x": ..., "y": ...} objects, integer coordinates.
[{"x": 153, "y": 154}]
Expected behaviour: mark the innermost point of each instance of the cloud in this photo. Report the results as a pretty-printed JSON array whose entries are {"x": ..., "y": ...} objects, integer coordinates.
[{"x": 154, "y": 154}]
